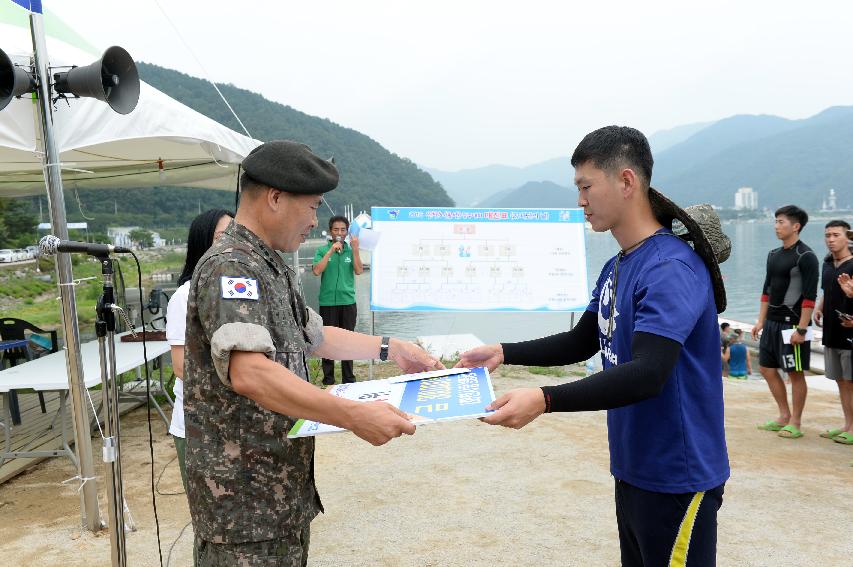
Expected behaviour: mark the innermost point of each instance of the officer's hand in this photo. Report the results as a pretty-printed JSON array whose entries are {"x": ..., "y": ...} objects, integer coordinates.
[
  {"x": 411, "y": 358},
  {"x": 490, "y": 356},
  {"x": 379, "y": 422},
  {"x": 756, "y": 330},
  {"x": 516, "y": 408}
]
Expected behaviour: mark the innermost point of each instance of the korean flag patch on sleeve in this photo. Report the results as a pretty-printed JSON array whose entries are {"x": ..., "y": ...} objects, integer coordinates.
[{"x": 240, "y": 288}]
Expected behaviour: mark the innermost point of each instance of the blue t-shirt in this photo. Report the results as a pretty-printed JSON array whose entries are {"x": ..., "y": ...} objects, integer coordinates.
[
  {"x": 674, "y": 442},
  {"x": 737, "y": 359}
]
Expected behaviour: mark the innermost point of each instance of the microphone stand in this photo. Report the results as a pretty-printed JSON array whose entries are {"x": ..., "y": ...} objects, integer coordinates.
[{"x": 105, "y": 327}]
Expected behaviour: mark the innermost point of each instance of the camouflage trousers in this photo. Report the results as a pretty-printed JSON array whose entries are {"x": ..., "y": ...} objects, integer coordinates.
[{"x": 287, "y": 551}]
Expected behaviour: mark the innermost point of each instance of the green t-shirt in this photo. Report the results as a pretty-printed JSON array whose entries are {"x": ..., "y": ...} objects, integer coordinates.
[{"x": 337, "y": 282}]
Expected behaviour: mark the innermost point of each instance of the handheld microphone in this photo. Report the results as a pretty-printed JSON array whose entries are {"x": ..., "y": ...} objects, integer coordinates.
[
  {"x": 50, "y": 245},
  {"x": 339, "y": 239}
]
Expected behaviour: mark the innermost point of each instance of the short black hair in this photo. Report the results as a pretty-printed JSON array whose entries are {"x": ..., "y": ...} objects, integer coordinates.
[
  {"x": 738, "y": 332},
  {"x": 200, "y": 239},
  {"x": 794, "y": 213},
  {"x": 247, "y": 183},
  {"x": 724, "y": 326},
  {"x": 338, "y": 218},
  {"x": 611, "y": 147},
  {"x": 838, "y": 223}
]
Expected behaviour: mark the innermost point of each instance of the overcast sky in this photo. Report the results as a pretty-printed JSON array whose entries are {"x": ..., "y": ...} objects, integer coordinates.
[{"x": 462, "y": 84}]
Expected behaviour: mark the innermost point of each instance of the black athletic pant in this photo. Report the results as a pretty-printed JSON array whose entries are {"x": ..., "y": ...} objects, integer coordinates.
[
  {"x": 658, "y": 529},
  {"x": 342, "y": 316}
]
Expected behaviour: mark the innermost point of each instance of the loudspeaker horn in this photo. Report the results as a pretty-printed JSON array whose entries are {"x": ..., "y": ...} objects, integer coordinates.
[
  {"x": 14, "y": 81},
  {"x": 113, "y": 79}
]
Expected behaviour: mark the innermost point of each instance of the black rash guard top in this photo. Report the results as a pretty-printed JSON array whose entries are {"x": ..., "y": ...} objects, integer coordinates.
[{"x": 791, "y": 282}]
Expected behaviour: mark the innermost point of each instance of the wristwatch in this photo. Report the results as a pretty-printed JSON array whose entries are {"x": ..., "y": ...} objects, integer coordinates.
[
  {"x": 383, "y": 348},
  {"x": 801, "y": 331}
]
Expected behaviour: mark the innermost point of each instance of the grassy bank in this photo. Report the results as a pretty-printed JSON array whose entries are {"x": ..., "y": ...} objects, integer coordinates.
[{"x": 30, "y": 291}]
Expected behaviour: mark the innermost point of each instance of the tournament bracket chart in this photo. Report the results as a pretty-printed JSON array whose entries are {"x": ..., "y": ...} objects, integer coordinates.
[{"x": 448, "y": 259}]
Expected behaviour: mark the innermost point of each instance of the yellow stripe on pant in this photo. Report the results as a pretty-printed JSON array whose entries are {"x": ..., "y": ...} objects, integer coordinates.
[
  {"x": 678, "y": 557},
  {"x": 798, "y": 361}
]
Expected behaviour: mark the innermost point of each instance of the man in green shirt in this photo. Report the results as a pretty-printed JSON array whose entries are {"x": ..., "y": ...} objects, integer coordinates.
[{"x": 338, "y": 263}]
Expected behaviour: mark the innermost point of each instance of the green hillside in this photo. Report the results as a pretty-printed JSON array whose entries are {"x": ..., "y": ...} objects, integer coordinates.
[{"x": 370, "y": 174}]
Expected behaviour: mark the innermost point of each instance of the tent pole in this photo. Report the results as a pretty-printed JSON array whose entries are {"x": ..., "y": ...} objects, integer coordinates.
[{"x": 90, "y": 514}]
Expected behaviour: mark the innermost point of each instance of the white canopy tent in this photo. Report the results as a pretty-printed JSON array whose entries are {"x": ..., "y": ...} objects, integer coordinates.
[
  {"x": 161, "y": 142},
  {"x": 100, "y": 148}
]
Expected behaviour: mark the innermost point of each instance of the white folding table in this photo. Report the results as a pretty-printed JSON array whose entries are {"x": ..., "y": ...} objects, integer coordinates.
[{"x": 48, "y": 374}]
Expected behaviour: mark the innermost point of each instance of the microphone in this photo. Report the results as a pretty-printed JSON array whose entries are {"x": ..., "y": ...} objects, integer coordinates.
[
  {"x": 50, "y": 245},
  {"x": 339, "y": 239}
]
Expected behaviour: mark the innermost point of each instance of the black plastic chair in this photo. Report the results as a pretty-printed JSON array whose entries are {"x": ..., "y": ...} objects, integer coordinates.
[{"x": 16, "y": 329}]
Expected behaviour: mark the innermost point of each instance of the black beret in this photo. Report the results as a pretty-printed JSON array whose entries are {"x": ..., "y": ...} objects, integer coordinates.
[{"x": 291, "y": 167}]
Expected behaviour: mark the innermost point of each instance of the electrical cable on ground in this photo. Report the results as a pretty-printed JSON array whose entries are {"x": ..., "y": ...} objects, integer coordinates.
[{"x": 148, "y": 408}]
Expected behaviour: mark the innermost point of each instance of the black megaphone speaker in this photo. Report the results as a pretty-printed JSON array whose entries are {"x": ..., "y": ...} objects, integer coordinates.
[
  {"x": 113, "y": 79},
  {"x": 14, "y": 81}
]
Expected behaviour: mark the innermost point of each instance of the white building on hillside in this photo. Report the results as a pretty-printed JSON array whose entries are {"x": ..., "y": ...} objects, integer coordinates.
[
  {"x": 830, "y": 204},
  {"x": 120, "y": 236},
  {"x": 746, "y": 199}
]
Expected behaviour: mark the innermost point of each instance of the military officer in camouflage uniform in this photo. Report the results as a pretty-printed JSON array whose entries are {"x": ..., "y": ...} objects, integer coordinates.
[{"x": 251, "y": 490}]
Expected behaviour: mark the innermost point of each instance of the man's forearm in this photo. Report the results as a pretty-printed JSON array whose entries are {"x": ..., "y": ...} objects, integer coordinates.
[
  {"x": 357, "y": 265},
  {"x": 340, "y": 344},
  {"x": 568, "y": 347},
  {"x": 762, "y": 311},
  {"x": 643, "y": 377},
  {"x": 805, "y": 317},
  {"x": 320, "y": 266},
  {"x": 277, "y": 389}
]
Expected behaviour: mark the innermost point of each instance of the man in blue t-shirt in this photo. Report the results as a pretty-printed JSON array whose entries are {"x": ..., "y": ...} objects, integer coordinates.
[
  {"x": 653, "y": 317},
  {"x": 736, "y": 355}
]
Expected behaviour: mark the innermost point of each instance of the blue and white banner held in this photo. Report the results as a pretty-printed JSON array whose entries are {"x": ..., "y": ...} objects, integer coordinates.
[{"x": 428, "y": 397}]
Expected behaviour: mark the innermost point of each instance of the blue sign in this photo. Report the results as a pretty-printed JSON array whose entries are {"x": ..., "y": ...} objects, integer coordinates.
[{"x": 448, "y": 397}]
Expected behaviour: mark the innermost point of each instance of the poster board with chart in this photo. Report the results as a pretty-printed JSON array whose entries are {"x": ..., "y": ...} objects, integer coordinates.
[{"x": 453, "y": 259}]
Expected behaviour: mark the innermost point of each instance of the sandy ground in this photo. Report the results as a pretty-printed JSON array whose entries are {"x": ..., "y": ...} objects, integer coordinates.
[{"x": 468, "y": 494}]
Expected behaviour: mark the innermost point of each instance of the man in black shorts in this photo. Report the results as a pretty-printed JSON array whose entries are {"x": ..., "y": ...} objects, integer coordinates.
[
  {"x": 834, "y": 313},
  {"x": 787, "y": 301}
]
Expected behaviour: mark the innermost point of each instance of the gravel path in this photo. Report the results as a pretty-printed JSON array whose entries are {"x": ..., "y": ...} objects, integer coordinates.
[{"x": 468, "y": 494}]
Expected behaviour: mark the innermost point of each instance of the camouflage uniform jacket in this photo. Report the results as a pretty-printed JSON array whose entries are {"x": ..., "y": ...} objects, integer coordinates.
[{"x": 247, "y": 481}]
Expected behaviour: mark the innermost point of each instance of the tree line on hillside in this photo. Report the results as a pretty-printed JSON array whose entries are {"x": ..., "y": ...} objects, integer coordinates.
[
  {"x": 370, "y": 174},
  {"x": 17, "y": 224},
  {"x": 154, "y": 208}
]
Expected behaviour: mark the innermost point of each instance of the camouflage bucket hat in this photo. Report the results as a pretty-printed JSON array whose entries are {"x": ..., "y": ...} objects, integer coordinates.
[{"x": 700, "y": 226}]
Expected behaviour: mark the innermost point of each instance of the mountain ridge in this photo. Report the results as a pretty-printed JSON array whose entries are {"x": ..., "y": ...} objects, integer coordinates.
[{"x": 785, "y": 160}]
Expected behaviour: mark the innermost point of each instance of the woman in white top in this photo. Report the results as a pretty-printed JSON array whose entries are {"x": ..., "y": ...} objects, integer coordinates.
[{"x": 204, "y": 230}]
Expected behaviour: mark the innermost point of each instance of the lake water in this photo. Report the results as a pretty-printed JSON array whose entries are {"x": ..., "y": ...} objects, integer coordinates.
[{"x": 743, "y": 273}]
